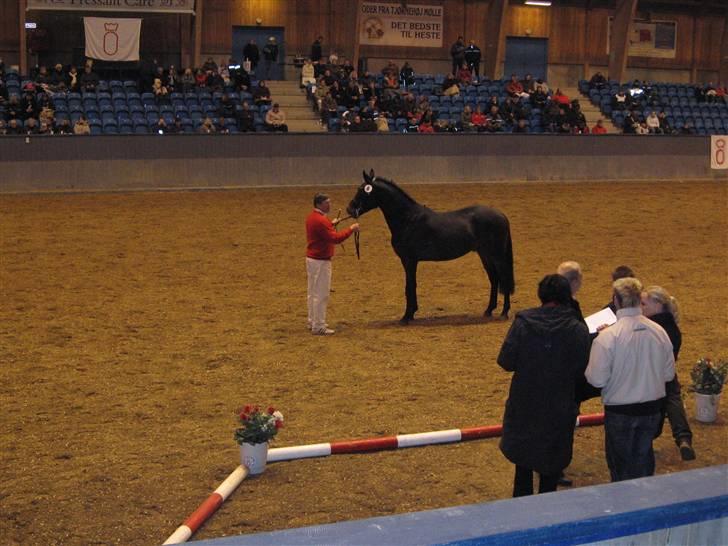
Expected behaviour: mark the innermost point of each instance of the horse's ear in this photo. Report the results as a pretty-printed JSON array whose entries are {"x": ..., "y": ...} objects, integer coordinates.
[
  {"x": 366, "y": 176},
  {"x": 371, "y": 174}
]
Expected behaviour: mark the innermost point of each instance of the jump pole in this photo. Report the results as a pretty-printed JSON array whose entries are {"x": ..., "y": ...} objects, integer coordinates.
[{"x": 401, "y": 441}]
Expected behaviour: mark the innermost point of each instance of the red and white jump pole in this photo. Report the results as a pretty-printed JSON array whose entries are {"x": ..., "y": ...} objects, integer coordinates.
[{"x": 214, "y": 501}]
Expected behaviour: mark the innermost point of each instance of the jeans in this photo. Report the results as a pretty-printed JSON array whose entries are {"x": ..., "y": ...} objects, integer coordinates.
[
  {"x": 523, "y": 482},
  {"x": 676, "y": 413},
  {"x": 628, "y": 444}
]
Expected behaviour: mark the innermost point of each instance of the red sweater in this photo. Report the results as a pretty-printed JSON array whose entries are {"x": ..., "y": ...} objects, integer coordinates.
[{"x": 321, "y": 236}]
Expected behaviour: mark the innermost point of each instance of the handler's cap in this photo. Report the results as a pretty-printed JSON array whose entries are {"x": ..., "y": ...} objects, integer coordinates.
[{"x": 319, "y": 198}]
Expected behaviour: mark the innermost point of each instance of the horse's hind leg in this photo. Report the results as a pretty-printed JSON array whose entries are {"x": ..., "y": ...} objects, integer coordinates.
[
  {"x": 493, "y": 278},
  {"x": 410, "y": 290}
]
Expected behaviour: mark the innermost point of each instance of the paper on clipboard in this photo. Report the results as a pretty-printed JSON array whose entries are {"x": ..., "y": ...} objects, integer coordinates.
[{"x": 605, "y": 316}]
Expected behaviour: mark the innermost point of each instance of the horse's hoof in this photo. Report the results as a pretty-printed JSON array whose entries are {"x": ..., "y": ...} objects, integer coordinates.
[
  {"x": 404, "y": 321},
  {"x": 503, "y": 317}
]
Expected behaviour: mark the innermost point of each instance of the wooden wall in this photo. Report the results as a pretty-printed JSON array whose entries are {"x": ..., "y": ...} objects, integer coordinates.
[{"x": 576, "y": 35}]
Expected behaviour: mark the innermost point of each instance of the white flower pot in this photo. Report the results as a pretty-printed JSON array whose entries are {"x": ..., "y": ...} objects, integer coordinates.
[
  {"x": 706, "y": 407},
  {"x": 254, "y": 457}
]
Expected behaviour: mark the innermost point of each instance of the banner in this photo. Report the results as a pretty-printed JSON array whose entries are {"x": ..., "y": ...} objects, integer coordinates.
[
  {"x": 112, "y": 39},
  {"x": 718, "y": 152},
  {"x": 145, "y": 6},
  {"x": 657, "y": 39},
  {"x": 413, "y": 25}
]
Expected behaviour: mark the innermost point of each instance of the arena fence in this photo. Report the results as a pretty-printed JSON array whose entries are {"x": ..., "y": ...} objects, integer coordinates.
[
  {"x": 684, "y": 508},
  {"x": 215, "y": 500},
  {"x": 111, "y": 162}
]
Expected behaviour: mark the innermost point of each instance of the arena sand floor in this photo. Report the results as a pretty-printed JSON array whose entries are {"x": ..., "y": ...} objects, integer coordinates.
[{"x": 132, "y": 326}]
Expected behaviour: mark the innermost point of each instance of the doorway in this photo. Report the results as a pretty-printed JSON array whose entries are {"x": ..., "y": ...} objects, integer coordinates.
[
  {"x": 261, "y": 35},
  {"x": 526, "y": 56}
]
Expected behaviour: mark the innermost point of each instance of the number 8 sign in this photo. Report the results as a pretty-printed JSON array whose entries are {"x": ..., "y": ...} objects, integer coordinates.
[{"x": 719, "y": 152}]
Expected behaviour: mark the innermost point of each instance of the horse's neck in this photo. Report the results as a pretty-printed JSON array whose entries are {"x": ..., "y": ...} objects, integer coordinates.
[{"x": 398, "y": 208}]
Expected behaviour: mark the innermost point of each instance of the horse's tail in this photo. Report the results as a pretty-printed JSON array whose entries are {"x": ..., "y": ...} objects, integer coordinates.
[{"x": 507, "y": 284}]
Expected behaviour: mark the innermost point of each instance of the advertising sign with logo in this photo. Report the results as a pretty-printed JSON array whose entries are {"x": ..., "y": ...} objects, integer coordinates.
[
  {"x": 657, "y": 39},
  {"x": 411, "y": 25},
  {"x": 110, "y": 39},
  {"x": 719, "y": 152}
]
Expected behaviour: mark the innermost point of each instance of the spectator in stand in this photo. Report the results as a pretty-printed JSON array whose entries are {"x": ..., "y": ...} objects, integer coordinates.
[
  {"x": 58, "y": 79},
  {"x": 252, "y": 54},
  {"x": 270, "y": 56},
  {"x": 721, "y": 97},
  {"x": 275, "y": 120},
  {"x": 317, "y": 49},
  {"x": 495, "y": 121},
  {"x": 328, "y": 108},
  {"x": 160, "y": 91},
  {"x": 561, "y": 99},
  {"x": 442, "y": 126},
  {"x": 241, "y": 79},
  {"x": 382, "y": 123},
  {"x": 542, "y": 86},
  {"x": 161, "y": 127},
  {"x": 653, "y": 123},
  {"x": 176, "y": 127},
  {"x": 359, "y": 125},
  {"x": 515, "y": 89},
  {"x": 457, "y": 53},
  {"x": 307, "y": 73},
  {"x": 47, "y": 116},
  {"x": 466, "y": 120},
  {"x": 73, "y": 79},
  {"x": 425, "y": 126},
  {"x": 333, "y": 58},
  {"x": 64, "y": 127},
  {"x": 407, "y": 75},
  {"x": 246, "y": 119},
  {"x": 31, "y": 126},
  {"x": 261, "y": 94},
  {"x": 478, "y": 119},
  {"x": 521, "y": 127},
  {"x": 29, "y": 104},
  {"x": 463, "y": 75},
  {"x": 209, "y": 64},
  {"x": 347, "y": 68},
  {"x": 352, "y": 94},
  {"x": 709, "y": 92},
  {"x": 221, "y": 127},
  {"x": 200, "y": 78},
  {"x": 511, "y": 110},
  {"x": 597, "y": 81},
  {"x": 630, "y": 124},
  {"x": 81, "y": 127},
  {"x": 599, "y": 128},
  {"x": 14, "y": 128},
  {"x": 188, "y": 81},
  {"x": 688, "y": 128},
  {"x": 206, "y": 127},
  {"x": 529, "y": 84},
  {"x": 472, "y": 58},
  {"x": 450, "y": 86},
  {"x": 43, "y": 78},
  {"x": 576, "y": 117},
  {"x": 3, "y": 127},
  {"x": 89, "y": 80},
  {"x": 214, "y": 81},
  {"x": 621, "y": 101},
  {"x": 665, "y": 127},
  {"x": 3, "y": 90},
  {"x": 226, "y": 108}
]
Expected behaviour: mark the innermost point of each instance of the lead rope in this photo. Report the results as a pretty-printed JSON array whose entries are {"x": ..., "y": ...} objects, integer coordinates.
[{"x": 336, "y": 223}]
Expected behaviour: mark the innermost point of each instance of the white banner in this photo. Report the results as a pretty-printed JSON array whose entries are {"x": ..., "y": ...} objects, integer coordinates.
[
  {"x": 413, "y": 25},
  {"x": 144, "y": 6},
  {"x": 110, "y": 39},
  {"x": 718, "y": 152}
]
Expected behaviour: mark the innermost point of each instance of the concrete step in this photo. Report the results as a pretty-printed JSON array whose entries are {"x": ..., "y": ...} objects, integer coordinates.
[{"x": 304, "y": 126}]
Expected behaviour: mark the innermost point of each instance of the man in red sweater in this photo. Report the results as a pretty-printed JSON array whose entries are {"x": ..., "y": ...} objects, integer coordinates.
[{"x": 321, "y": 238}]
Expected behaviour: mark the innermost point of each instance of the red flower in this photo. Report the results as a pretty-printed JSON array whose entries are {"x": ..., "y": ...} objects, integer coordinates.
[
  {"x": 279, "y": 424},
  {"x": 244, "y": 416},
  {"x": 247, "y": 409},
  {"x": 271, "y": 409}
]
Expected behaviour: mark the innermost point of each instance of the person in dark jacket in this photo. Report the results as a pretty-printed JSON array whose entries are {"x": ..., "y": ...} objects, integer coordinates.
[
  {"x": 457, "y": 53},
  {"x": 472, "y": 57},
  {"x": 252, "y": 53},
  {"x": 270, "y": 55},
  {"x": 547, "y": 348},
  {"x": 316, "y": 49},
  {"x": 661, "y": 307}
]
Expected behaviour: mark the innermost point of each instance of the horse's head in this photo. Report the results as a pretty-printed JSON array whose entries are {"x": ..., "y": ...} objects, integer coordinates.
[{"x": 365, "y": 198}]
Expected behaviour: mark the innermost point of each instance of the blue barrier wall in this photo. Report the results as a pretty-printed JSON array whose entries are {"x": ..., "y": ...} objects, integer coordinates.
[{"x": 684, "y": 508}]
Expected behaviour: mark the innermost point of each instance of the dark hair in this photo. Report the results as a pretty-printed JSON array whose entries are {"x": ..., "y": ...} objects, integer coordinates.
[
  {"x": 319, "y": 198},
  {"x": 621, "y": 272},
  {"x": 554, "y": 288}
]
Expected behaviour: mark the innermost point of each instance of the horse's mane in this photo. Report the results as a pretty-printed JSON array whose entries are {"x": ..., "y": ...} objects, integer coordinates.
[{"x": 394, "y": 186}]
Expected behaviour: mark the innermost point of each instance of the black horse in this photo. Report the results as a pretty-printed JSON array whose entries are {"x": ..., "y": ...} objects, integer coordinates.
[{"x": 421, "y": 234}]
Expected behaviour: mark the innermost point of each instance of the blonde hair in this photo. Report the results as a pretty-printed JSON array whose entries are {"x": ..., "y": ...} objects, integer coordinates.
[
  {"x": 663, "y": 297},
  {"x": 628, "y": 292}
]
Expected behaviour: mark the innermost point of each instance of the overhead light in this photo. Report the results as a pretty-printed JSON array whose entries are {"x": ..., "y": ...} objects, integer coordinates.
[{"x": 546, "y": 3}]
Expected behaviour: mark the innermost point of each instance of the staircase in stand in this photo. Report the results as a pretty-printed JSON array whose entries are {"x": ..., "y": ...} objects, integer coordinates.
[
  {"x": 291, "y": 99},
  {"x": 591, "y": 112}
]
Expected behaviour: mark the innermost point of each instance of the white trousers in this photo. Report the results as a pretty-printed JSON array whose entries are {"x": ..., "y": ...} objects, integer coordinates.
[{"x": 319, "y": 286}]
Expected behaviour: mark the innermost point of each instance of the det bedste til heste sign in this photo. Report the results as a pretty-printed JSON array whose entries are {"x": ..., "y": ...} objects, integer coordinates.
[{"x": 413, "y": 25}]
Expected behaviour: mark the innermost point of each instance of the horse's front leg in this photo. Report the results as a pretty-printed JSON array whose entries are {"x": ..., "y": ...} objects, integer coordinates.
[
  {"x": 410, "y": 289},
  {"x": 506, "y": 306}
]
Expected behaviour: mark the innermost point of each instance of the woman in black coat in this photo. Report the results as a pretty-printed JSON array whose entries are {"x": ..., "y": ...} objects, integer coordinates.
[
  {"x": 547, "y": 348},
  {"x": 661, "y": 307}
]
